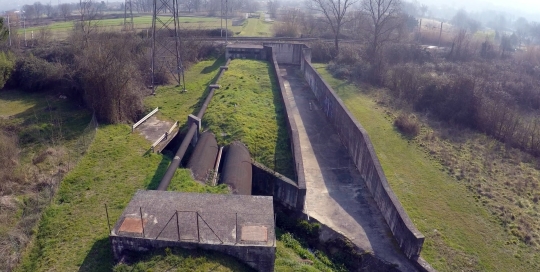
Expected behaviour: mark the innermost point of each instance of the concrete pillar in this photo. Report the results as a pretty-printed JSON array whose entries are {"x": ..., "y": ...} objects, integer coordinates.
[{"x": 194, "y": 119}]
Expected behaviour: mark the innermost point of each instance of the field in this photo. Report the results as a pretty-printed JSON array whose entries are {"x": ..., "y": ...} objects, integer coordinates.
[
  {"x": 61, "y": 30},
  {"x": 461, "y": 233}
]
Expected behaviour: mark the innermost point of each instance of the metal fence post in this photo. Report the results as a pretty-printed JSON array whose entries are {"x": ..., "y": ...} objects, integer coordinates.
[
  {"x": 108, "y": 222},
  {"x": 142, "y": 222},
  {"x": 198, "y": 234},
  {"x": 177, "y": 225}
]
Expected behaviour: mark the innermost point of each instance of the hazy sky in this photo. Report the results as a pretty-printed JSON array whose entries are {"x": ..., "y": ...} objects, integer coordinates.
[{"x": 529, "y": 7}]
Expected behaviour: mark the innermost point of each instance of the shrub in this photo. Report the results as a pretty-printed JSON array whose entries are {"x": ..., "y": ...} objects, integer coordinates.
[
  {"x": 35, "y": 74},
  {"x": 109, "y": 75},
  {"x": 407, "y": 125},
  {"x": 6, "y": 67}
]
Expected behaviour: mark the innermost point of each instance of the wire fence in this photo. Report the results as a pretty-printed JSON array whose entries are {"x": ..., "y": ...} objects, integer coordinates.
[{"x": 200, "y": 227}]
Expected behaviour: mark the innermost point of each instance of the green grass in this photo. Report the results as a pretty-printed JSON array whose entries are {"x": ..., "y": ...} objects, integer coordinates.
[
  {"x": 176, "y": 105},
  {"x": 248, "y": 107},
  {"x": 61, "y": 30},
  {"x": 461, "y": 234},
  {"x": 257, "y": 27}
]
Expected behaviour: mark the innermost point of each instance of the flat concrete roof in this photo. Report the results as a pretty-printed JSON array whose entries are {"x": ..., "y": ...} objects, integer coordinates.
[
  {"x": 199, "y": 218},
  {"x": 244, "y": 46}
]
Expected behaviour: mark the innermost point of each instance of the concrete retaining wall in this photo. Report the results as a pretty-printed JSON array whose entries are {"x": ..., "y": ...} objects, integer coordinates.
[
  {"x": 361, "y": 150},
  {"x": 259, "y": 257},
  {"x": 291, "y": 124},
  {"x": 287, "y": 53},
  {"x": 270, "y": 183}
]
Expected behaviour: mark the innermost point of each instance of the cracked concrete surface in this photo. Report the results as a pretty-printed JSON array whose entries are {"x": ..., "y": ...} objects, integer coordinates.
[{"x": 336, "y": 193}]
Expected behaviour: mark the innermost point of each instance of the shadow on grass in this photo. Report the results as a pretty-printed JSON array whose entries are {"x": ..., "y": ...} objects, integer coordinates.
[
  {"x": 215, "y": 66},
  {"x": 46, "y": 118},
  {"x": 283, "y": 158},
  {"x": 160, "y": 171},
  {"x": 100, "y": 257}
]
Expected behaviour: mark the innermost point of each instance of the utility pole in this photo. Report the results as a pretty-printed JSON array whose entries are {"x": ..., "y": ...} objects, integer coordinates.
[
  {"x": 226, "y": 21},
  {"x": 420, "y": 29},
  {"x": 440, "y": 34},
  {"x": 221, "y": 18},
  {"x": 24, "y": 26},
  {"x": 9, "y": 30}
]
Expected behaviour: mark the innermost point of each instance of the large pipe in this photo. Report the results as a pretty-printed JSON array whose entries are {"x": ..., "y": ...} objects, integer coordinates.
[
  {"x": 166, "y": 180},
  {"x": 203, "y": 159},
  {"x": 237, "y": 171}
]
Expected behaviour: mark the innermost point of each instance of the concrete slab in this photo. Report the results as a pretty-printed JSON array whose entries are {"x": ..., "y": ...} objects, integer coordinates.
[
  {"x": 201, "y": 218},
  {"x": 336, "y": 193},
  {"x": 153, "y": 128}
]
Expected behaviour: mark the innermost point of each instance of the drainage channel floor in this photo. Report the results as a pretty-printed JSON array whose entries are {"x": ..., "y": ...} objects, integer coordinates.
[{"x": 336, "y": 194}]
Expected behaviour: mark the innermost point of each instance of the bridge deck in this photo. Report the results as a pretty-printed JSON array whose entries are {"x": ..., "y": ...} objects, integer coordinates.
[{"x": 336, "y": 193}]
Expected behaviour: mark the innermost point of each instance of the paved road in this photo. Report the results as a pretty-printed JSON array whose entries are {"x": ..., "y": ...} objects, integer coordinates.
[{"x": 336, "y": 193}]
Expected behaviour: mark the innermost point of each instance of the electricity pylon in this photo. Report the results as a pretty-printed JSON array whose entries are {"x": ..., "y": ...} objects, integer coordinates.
[
  {"x": 166, "y": 41},
  {"x": 128, "y": 15}
]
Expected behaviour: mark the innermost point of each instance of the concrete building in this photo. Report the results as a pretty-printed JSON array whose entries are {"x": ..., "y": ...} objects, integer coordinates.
[{"x": 237, "y": 225}]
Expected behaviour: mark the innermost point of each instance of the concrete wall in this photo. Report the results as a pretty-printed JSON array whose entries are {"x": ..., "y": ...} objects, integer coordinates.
[
  {"x": 269, "y": 183},
  {"x": 260, "y": 258},
  {"x": 245, "y": 53},
  {"x": 287, "y": 53},
  {"x": 361, "y": 150},
  {"x": 291, "y": 124}
]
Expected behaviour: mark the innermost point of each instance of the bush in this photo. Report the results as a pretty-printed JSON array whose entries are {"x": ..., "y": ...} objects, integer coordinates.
[
  {"x": 34, "y": 74},
  {"x": 407, "y": 125},
  {"x": 109, "y": 74},
  {"x": 6, "y": 67}
]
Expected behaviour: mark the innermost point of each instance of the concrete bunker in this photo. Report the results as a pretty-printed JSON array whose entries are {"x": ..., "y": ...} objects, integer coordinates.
[{"x": 238, "y": 225}]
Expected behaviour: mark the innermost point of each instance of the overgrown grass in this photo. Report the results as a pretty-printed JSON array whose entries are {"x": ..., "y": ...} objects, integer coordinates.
[
  {"x": 183, "y": 260},
  {"x": 461, "y": 234},
  {"x": 292, "y": 255},
  {"x": 248, "y": 107},
  {"x": 46, "y": 130},
  {"x": 257, "y": 27}
]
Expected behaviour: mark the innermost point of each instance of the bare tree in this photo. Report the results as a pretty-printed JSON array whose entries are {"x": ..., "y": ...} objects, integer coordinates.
[
  {"x": 38, "y": 7},
  {"x": 335, "y": 12},
  {"x": 384, "y": 21},
  {"x": 65, "y": 11},
  {"x": 29, "y": 11},
  {"x": 89, "y": 11},
  {"x": 49, "y": 10},
  {"x": 273, "y": 6}
]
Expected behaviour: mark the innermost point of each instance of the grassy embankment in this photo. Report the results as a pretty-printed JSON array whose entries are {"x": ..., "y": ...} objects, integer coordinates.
[
  {"x": 73, "y": 233},
  {"x": 461, "y": 234},
  {"x": 48, "y": 134},
  {"x": 248, "y": 108}
]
